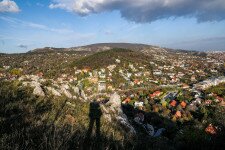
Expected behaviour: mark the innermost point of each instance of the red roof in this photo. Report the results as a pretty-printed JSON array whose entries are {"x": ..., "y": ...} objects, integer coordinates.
[
  {"x": 156, "y": 93},
  {"x": 220, "y": 98},
  {"x": 173, "y": 103}
]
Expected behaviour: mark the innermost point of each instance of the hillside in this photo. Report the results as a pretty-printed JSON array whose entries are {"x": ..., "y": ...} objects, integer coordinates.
[
  {"x": 151, "y": 98},
  {"x": 109, "y": 57},
  {"x": 46, "y": 49},
  {"x": 100, "y": 47}
]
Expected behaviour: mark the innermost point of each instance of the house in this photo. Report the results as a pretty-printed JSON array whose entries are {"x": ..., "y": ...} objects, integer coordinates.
[
  {"x": 175, "y": 79},
  {"x": 86, "y": 69},
  {"x": 127, "y": 100},
  {"x": 103, "y": 70},
  {"x": 139, "y": 105},
  {"x": 138, "y": 74},
  {"x": 155, "y": 94},
  {"x": 93, "y": 79},
  {"x": 219, "y": 99},
  {"x": 102, "y": 76},
  {"x": 185, "y": 86},
  {"x": 129, "y": 75},
  {"x": 173, "y": 103},
  {"x": 157, "y": 72},
  {"x": 146, "y": 73},
  {"x": 40, "y": 74},
  {"x": 95, "y": 73},
  {"x": 213, "y": 70},
  {"x": 136, "y": 81},
  {"x": 193, "y": 79},
  {"x": 6, "y": 67},
  {"x": 118, "y": 61},
  {"x": 131, "y": 66},
  {"x": 77, "y": 71},
  {"x": 111, "y": 67},
  {"x": 110, "y": 87},
  {"x": 101, "y": 86}
]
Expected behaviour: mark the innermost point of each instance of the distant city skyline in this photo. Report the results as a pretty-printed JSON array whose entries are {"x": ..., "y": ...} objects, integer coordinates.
[{"x": 178, "y": 24}]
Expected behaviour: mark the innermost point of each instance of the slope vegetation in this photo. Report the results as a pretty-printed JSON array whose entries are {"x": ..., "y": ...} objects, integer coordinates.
[{"x": 105, "y": 58}]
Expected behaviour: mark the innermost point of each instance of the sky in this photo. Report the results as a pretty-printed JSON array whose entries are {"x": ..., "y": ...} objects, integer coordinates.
[{"x": 179, "y": 24}]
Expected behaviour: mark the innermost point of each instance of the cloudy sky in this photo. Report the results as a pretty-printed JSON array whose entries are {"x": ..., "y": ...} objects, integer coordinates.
[{"x": 183, "y": 24}]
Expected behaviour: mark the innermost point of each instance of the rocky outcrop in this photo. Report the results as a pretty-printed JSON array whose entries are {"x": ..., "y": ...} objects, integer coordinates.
[
  {"x": 80, "y": 93},
  {"x": 112, "y": 110},
  {"x": 53, "y": 91},
  {"x": 38, "y": 91},
  {"x": 64, "y": 90},
  {"x": 37, "y": 88},
  {"x": 76, "y": 90},
  {"x": 83, "y": 95}
]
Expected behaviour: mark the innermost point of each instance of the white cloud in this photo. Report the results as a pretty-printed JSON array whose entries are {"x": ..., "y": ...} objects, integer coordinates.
[
  {"x": 8, "y": 6},
  {"x": 148, "y": 10}
]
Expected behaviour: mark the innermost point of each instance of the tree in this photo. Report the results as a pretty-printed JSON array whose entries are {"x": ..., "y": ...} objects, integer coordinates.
[{"x": 16, "y": 72}]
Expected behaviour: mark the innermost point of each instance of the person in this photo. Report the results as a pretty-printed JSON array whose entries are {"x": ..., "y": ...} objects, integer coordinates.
[{"x": 95, "y": 114}]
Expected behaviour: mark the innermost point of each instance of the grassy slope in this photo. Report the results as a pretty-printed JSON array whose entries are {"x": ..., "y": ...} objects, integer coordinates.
[{"x": 29, "y": 122}]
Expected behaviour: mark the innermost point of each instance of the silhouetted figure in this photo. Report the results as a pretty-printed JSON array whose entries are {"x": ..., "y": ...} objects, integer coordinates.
[{"x": 95, "y": 114}]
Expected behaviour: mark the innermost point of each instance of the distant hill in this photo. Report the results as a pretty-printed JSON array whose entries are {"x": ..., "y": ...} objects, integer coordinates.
[
  {"x": 99, "y": 47},
  {"x": 103, "y": 46},
  {"x": 46, "y": 49}
]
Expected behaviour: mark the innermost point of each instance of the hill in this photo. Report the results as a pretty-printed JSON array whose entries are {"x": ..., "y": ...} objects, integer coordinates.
[
  {"x": 105, "y": 58},
  {"x": 46, "y": 49},
  {"x": 100, "y": 47}
]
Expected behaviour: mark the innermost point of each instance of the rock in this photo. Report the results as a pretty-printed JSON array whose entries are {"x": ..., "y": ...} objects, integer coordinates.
[
  {"x": 70, "y": 104},
  {"x": 80, "y": 93},
  {"x": 76, "y": 90},
  {"x": 37, "y": 88},
  {"x": 64, "y": 90},
  {"x": 53, "y": 91},
  {"x": 115, "y": 101},
  {"x": 113, "y": 109},
  {"x": 25, "y": 83},
  {"x": 159, "y": 132},
  {"x": 67, "y": 93},
  {"x": 34, "y": 84},
  {"x": 34, "y": 77},
  {"x": 83, "y": 95},
  {"x": 150, "y": 129},
  {"x": 38, "y": 91},
  {"x": 65, "y": 86},
  {"x": 22, "y": 78}
]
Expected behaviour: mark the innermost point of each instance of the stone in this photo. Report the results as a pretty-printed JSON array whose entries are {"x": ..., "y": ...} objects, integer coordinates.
[
  {"x": 53, "y": 91},
  {"x": 70, "y": 104},
  {"x": 113, "y": 109},
  {"x": 65, "y": 86},
  {"x": 76, "y": 90},
  {"x": 38, "y": 91},
  {"x": 83, "y": 95},
  {"x": 67, "y": 94}
]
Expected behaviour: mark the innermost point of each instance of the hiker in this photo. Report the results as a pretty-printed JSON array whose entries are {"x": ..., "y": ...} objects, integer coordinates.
[{"x": 95, "y": 114}]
